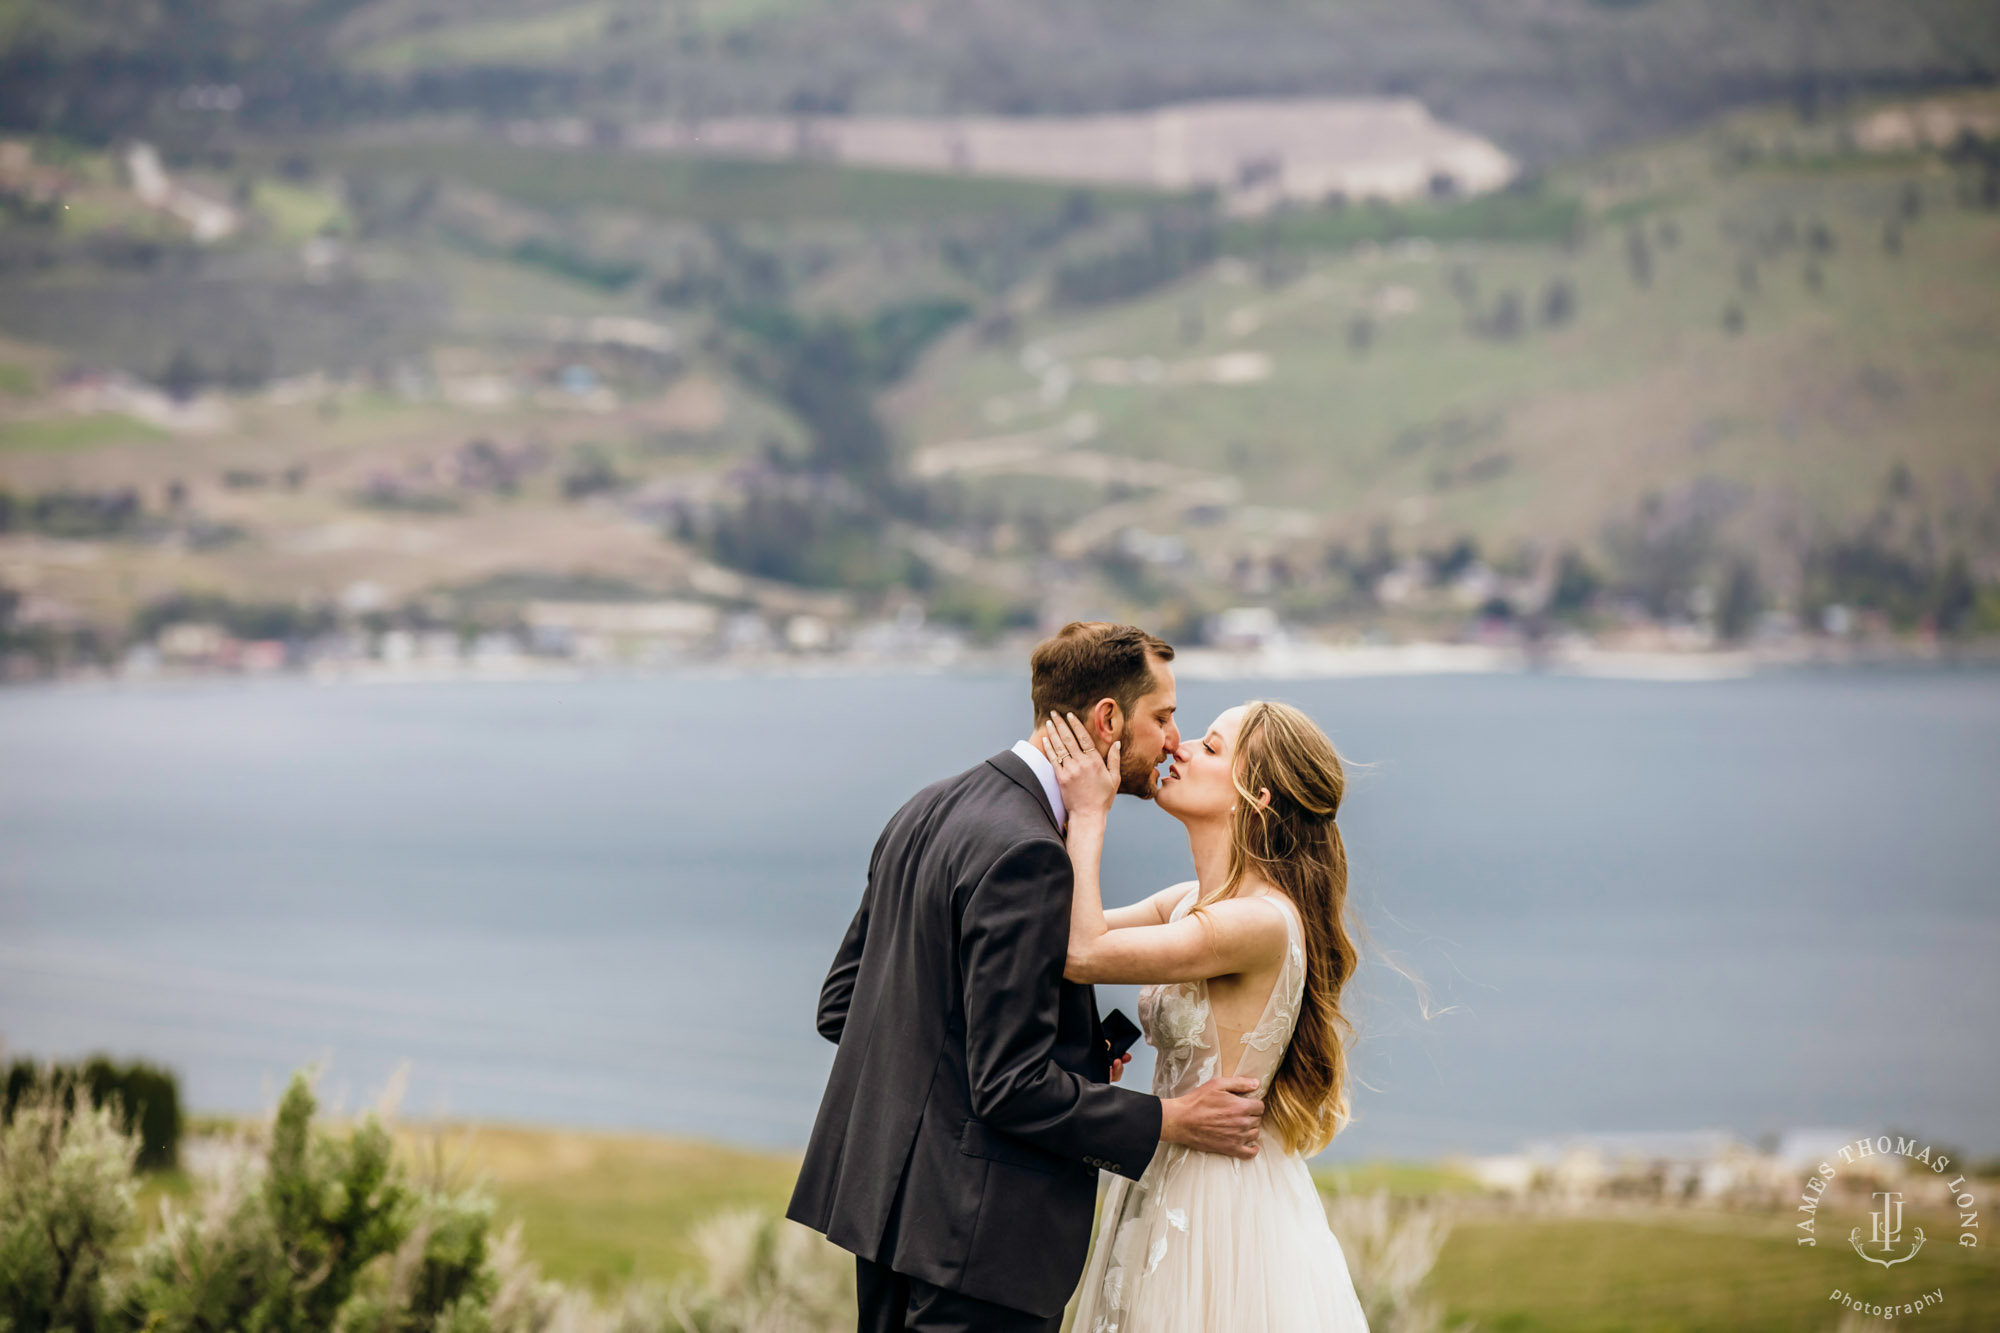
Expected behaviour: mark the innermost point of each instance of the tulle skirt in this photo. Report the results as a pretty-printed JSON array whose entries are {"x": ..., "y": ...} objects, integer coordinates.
[{"x": 1205, "y": 1244}]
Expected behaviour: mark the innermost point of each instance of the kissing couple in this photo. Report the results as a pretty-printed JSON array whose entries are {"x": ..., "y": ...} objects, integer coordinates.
[{"x": 973, "y": 1102}]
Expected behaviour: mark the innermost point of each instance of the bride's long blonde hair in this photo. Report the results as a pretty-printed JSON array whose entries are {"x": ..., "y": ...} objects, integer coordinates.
[{"x": 1293, "y": 843}]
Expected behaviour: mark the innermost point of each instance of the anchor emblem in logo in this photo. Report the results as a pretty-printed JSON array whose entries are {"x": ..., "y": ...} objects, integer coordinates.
[{"x": 1887, "y": 1232}]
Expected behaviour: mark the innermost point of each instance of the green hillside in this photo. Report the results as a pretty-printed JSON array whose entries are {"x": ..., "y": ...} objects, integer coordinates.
[
  {"x": 1705, "y": 381},
  {"x": 1547, "y": 77},
  {"x": 1766, "y": 339},
  {"x": 707, "y": 190}
]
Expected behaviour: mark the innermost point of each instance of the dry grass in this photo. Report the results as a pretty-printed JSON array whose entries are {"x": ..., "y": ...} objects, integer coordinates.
[
  {"x": 1391, "y": 1247},
  {"x": 600, "y": 1210},
  {"x": 657, "y": 1230}
]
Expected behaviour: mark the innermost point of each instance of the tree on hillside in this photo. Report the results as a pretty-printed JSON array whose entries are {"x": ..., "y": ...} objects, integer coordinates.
[
  {"x": 1465, "y": 285},
  {"x": 1638, "y": 257},
  {"x": 1455, "y": 559},
  {"x": 1659, "y": 555},
  {"x": 1558, "y": 302},
  {"x": 1899, "y": 483},
  {"x": 183, "y": 376},
  {"x": 1577, "y": 585},
  {"x": 1955, "y": 596},
  {"x": 1742, "y": 598}
]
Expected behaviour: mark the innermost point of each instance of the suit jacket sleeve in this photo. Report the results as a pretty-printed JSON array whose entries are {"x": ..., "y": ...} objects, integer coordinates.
[
  {"x": 836, "y": 993},
  {"x": 1013, "y": 942}
]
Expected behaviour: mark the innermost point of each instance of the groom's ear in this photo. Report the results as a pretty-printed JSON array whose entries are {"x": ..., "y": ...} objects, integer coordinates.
[{"x": 1107, "y": 722}]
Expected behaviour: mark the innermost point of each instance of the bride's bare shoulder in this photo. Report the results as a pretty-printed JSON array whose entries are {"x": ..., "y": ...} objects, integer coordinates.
[
  {"x": 1168, "y": 900},
  {"x": 1255, "y": 928}
]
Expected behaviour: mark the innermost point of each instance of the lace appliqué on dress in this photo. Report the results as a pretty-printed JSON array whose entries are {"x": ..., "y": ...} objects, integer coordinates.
[
  {"x": 1282, "y": 1011},
  {"x": 1179, "y": 1024}
]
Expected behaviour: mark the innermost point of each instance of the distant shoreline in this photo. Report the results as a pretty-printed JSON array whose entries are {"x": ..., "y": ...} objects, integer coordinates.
[{"x": 1283, "y": 661}]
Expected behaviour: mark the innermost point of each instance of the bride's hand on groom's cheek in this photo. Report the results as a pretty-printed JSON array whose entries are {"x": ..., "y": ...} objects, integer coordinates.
[{"x": 1089, "y": 780}]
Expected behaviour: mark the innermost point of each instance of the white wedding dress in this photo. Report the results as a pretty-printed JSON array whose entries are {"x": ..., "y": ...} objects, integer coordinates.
[{"x": 1208, "y": 1244}]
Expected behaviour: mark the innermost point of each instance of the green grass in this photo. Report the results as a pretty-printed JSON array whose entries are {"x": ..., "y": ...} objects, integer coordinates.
[
  {"x": 1403, "y": 1179},
  {"x": 69, "y": 434},
  {"x": 1510, "y": 216},
  {"x": 534, "y": 39},
  {"x": 709, "y": 189},
  {"x": 1684, "y": 1272},
  {"x": 598, "y": 1210},
  {"x": 157, "y": 1187},
  {"x": 494, "y": 288},
  {"x": 563, "y": 36},
  {"x": 298, "y": 212},
  {"x": 103, "y": 209},
  {"x": 1643, "y": 206},
  {"x": 18, "y": 381}
]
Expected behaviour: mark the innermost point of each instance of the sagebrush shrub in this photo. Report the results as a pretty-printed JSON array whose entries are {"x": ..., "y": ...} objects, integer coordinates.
[
  {"x": 283, "y": 1252},
  {"x": 326, "y": 1232},
  {"x": 66, "y": 1195}
]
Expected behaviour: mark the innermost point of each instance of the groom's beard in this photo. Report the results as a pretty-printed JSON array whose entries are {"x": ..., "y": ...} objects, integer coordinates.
[{"x": 1138, "y": 775}]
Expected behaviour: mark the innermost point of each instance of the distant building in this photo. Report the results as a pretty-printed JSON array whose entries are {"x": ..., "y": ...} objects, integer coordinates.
[
  {"x": 1683, "y": 1166},
  {"x": 602, "y": 631},
  {"x": 1803, "y": 1149},
  {"x": 1255, "y": 154},
  {"x": 1246, "y": 628}
]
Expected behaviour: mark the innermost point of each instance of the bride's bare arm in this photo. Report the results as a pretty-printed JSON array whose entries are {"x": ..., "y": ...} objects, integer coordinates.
[
  {"x": 1225, "y": 938},
  {"x": 1153, "y": 911}
]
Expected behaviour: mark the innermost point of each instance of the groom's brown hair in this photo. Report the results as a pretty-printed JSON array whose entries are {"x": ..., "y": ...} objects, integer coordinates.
[{"x": 1088, "y": 660}]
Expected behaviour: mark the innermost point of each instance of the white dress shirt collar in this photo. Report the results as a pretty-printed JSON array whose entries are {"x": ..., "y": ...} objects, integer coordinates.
[{"x": 1032, "y": 756}]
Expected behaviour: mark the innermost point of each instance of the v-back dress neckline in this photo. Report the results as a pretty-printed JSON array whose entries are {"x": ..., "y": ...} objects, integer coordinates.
[{"x": 1179, "y": 1020}]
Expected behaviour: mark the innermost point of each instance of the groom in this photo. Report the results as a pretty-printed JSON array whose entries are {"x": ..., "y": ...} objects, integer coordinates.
[{"x": 970, "y": 1108}]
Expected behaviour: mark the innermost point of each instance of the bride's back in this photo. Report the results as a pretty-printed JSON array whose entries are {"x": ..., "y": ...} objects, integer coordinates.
[{"x": 1234, "y": 1025}]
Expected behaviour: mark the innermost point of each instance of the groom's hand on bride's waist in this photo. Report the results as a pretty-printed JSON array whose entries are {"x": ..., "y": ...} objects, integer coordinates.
[{"x": 1223, "y": 1115}]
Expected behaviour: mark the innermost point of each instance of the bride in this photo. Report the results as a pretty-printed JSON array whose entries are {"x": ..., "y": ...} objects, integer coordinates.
[{"x": 1242, "y": 970}]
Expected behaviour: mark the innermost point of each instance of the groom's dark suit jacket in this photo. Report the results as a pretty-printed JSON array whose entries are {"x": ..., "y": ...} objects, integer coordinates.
[{"x": 968, "y": 1110}]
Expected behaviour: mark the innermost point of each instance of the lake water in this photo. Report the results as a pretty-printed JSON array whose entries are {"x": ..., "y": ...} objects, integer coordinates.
[{"x": 1754, "y": 904}]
